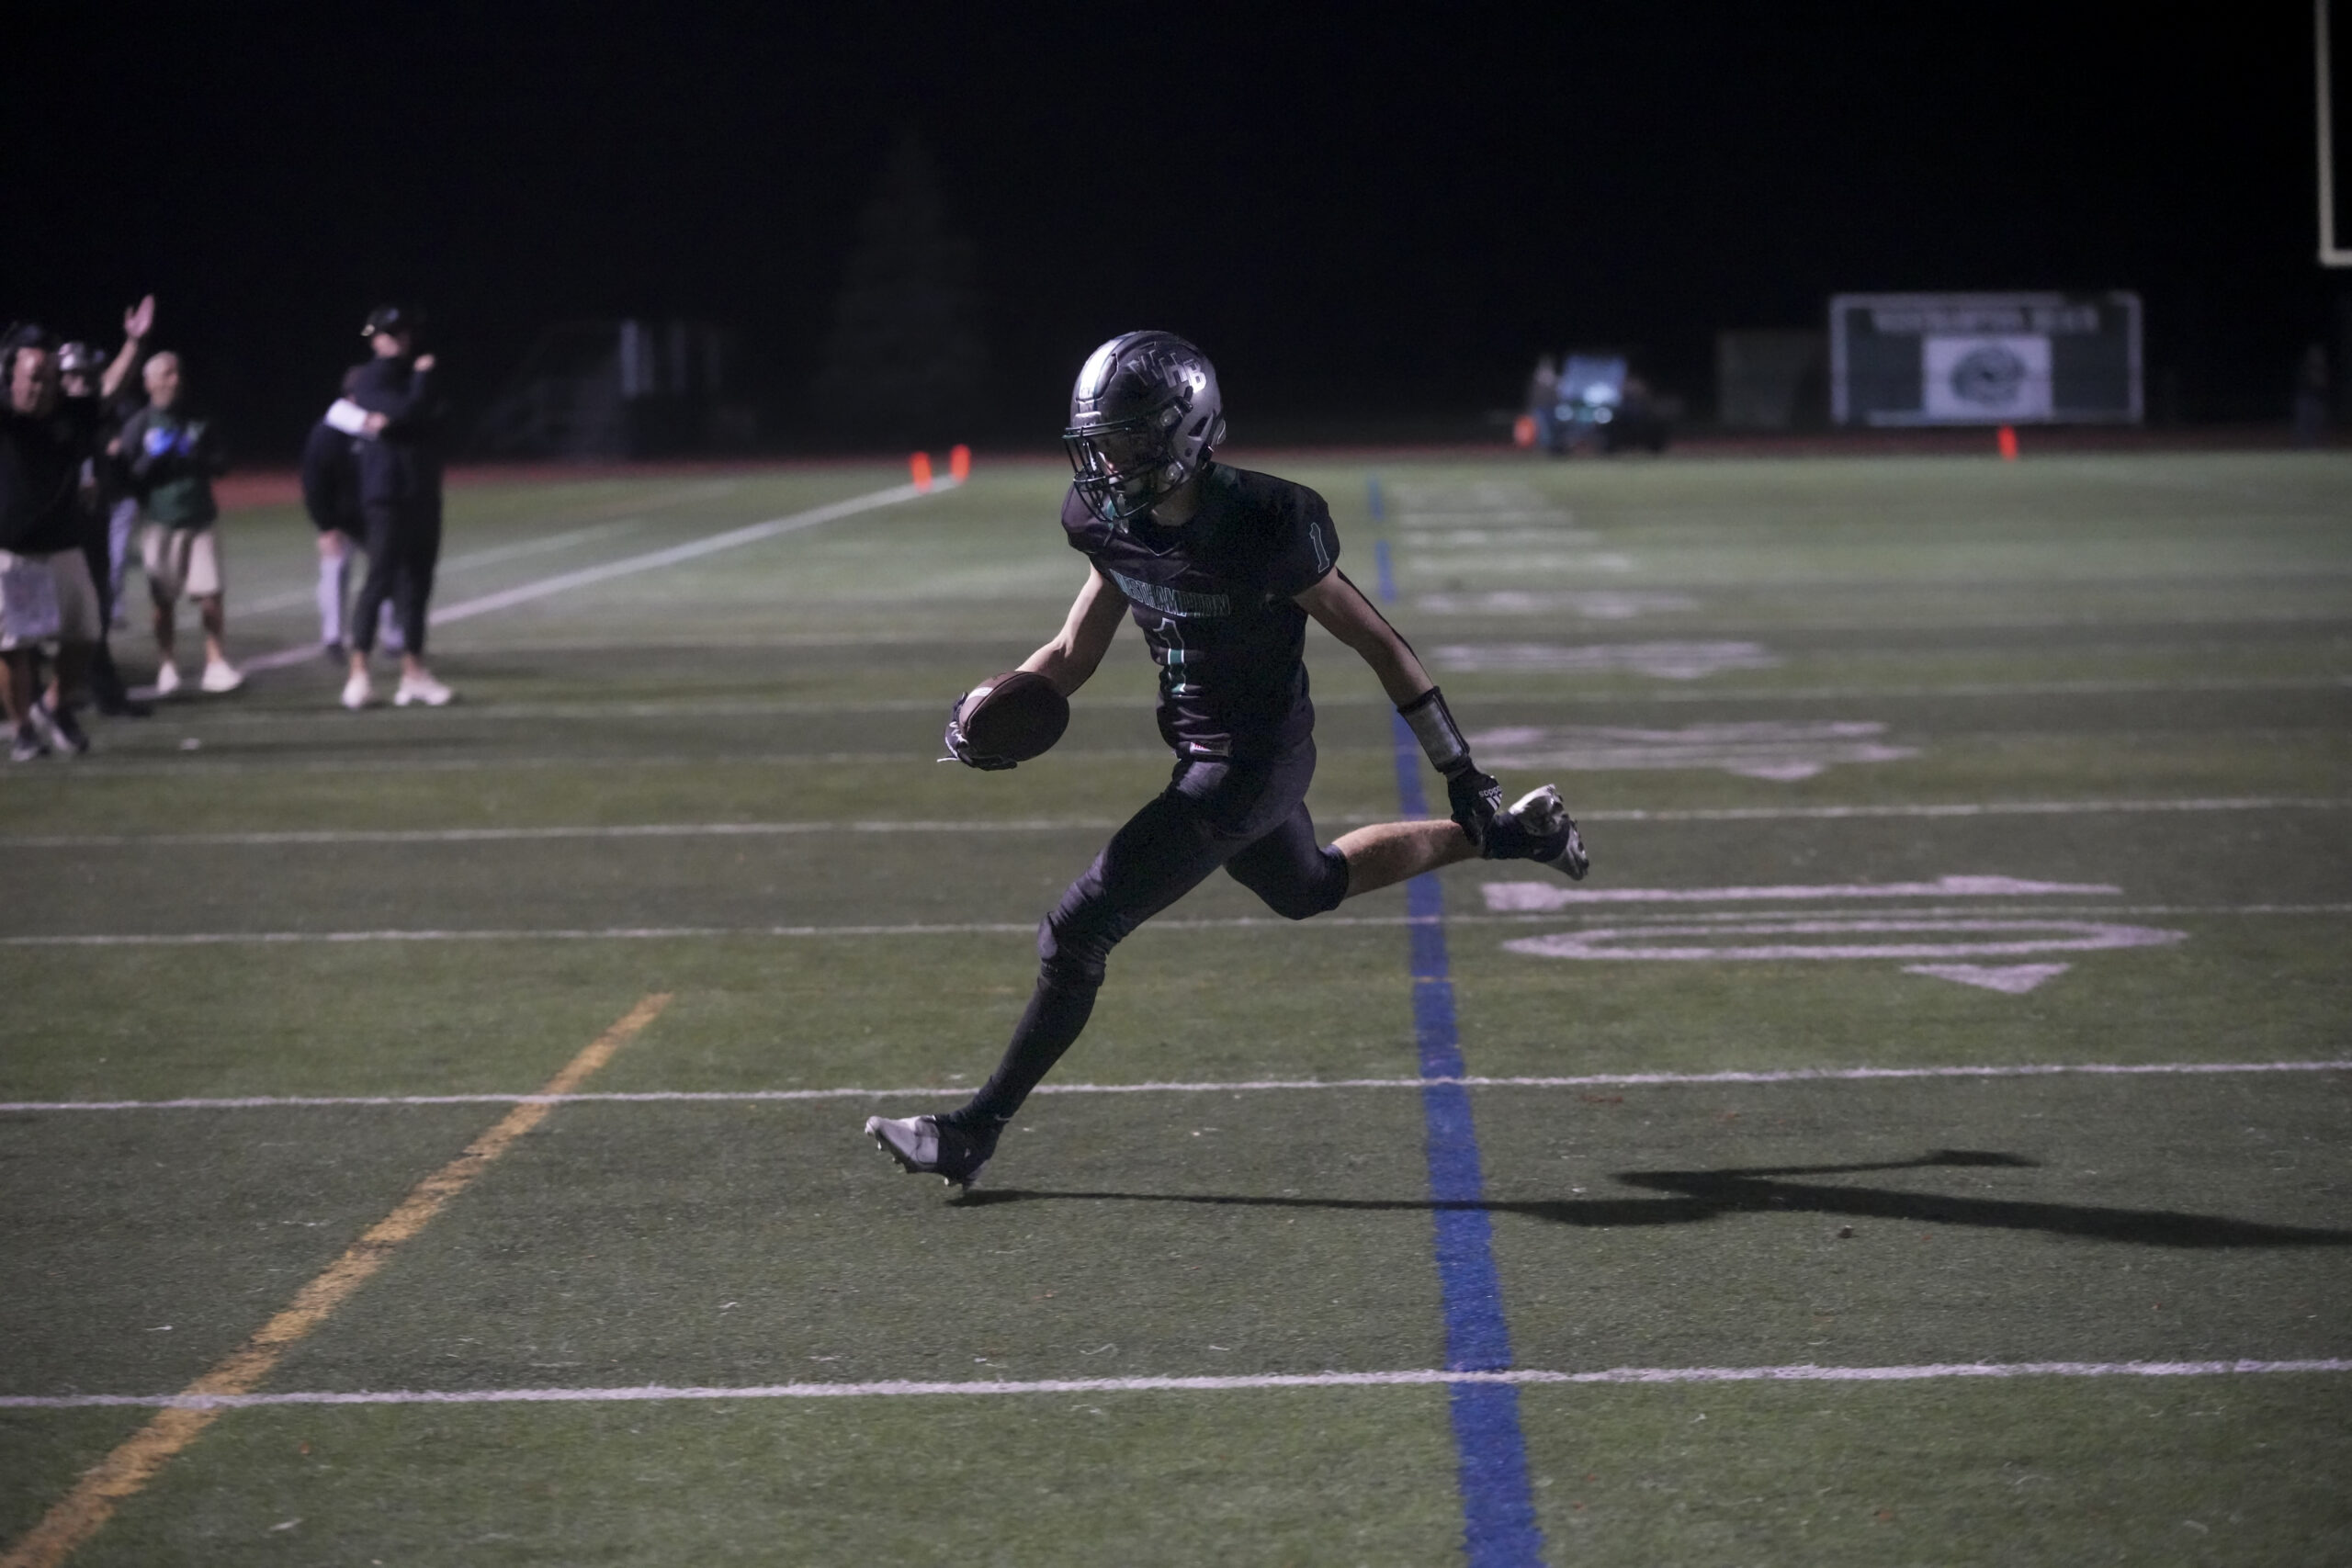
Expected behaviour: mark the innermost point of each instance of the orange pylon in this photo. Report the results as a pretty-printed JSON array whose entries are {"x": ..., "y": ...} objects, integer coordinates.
[
  {"x": 920, "y": 465},
  {"x": 959, "y": 462},
  {"x": 2009, "y": 443}
]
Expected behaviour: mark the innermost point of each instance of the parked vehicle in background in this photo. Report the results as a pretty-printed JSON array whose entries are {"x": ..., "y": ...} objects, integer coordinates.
[{"x": 1599, "y": 407}]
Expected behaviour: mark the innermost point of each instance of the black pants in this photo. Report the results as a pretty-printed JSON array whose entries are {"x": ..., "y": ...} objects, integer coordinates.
[
  {"x": 1248, "y": 817},
  {"x": 105, "y": 681},
  {"x": 403, "y": 545}
]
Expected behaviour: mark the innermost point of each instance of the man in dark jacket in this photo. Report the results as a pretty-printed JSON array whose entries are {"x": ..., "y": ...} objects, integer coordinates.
[
  {"x": 400, "y": 498},
  {"x": 46, "y": 593},
  {"x": 113, "y": 510}
]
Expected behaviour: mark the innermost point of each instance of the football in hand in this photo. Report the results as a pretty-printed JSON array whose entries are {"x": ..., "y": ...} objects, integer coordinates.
[{"x": 1015, "y": 715}]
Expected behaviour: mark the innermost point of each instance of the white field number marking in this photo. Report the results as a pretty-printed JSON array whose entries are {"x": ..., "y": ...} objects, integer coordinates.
[
  {"x": 1774, "y": 749},
  {"x": 1664, "y": 660},
  {"x": 2009, "y": 979},
  {"x": 1974, "y": 939}
]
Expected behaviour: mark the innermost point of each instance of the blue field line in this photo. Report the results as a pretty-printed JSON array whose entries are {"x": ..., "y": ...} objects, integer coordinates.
[
  {"x": 1497, "y": 1503},
  {"x": 1386, "y": 573}
]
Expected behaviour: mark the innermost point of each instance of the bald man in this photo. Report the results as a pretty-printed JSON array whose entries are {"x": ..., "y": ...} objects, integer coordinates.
[{"x": 172, "y": 460}]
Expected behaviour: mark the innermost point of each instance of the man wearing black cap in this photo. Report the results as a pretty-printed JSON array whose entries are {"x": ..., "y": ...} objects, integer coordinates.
[{"x": 400, "y": 496}]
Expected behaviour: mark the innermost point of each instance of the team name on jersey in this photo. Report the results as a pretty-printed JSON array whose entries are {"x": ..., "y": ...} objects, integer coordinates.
[{"x": 1172, "y": 601}]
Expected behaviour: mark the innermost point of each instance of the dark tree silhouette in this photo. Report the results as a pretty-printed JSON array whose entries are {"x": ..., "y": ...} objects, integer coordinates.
[{"x": 902, "y": 363}]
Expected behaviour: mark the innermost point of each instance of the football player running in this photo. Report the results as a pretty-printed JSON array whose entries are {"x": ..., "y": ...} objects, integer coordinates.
[{"x": 1221, "y": 567}]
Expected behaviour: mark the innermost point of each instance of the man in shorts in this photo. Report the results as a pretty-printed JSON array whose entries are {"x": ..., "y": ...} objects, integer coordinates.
[
  {"x": 1221, "y": 569},
  {"x": 174, "y": 458},
  {"x": 47, "y": 598}
]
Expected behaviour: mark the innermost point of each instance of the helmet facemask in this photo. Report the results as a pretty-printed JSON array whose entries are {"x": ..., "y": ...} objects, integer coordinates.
[
  {"x": 1124, "y": 470},
  {"x": 1128, "y": 460}
]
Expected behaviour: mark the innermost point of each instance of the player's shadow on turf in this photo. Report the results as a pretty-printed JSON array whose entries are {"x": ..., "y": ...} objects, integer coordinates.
[{"x": 1710, "y": 1194}]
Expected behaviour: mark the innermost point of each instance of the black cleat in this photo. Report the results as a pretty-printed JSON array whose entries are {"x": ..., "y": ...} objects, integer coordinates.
[
  {"x": 1539, "y": 829},
  {"x": 927, "y": 1146}
]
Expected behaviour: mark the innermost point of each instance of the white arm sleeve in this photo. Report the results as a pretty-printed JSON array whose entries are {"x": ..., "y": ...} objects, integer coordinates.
[{"x": 348, "y": 417}]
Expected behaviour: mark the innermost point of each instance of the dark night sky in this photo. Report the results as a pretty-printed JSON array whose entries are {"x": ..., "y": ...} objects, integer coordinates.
[{"x": 1345, "y": 213}]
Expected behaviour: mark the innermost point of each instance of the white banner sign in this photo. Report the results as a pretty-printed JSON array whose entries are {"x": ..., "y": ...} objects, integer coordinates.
[{"x": 1989, "y": 377}]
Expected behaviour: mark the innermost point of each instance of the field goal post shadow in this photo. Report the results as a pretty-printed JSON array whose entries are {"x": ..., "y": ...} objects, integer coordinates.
[{"x": 2331, "y": 254}]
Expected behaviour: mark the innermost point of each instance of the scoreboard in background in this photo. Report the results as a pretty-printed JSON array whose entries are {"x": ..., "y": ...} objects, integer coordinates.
[{"x": 1911, "y": 359}]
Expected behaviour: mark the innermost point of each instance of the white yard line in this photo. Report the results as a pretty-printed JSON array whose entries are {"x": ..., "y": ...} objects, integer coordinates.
[
  {"x": 1528, "y": 1376},
  {"x": 987, "y": 928},
  {"x": 1966, "y": 808},
  {"x": 600, "y": 711},
  {"x": 504, "y": 835},
  {"x": 1059, "y": 824},
  {"x": 1244, "y": 1086}
]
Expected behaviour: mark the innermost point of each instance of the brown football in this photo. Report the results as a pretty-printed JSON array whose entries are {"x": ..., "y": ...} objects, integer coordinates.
[{"x": 1015, "y": 715}]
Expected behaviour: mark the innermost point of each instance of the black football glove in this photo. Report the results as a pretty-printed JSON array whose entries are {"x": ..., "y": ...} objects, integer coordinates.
[
  {"x": 1477, "y": 799},
  {"x": 961, "y": 749}
]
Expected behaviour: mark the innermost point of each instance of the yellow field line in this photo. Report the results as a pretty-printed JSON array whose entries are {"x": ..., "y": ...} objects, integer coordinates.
[{"x": 77, "y": 1515}]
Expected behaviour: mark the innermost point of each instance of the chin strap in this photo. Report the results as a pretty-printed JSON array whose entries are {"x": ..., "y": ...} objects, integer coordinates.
[{"x": 1441, "y": 738}]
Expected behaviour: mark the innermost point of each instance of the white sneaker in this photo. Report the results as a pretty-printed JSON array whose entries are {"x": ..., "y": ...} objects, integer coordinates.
[
  {"x": 167, "y": 679},
  {"x": 220, "y": 675},
  {"x": 421, "y": 689},
  {"x": 357, "y": 692}
]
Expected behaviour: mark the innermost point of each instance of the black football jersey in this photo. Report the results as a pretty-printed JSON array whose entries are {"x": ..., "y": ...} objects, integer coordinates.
[{"x": 1214, "y": 598}]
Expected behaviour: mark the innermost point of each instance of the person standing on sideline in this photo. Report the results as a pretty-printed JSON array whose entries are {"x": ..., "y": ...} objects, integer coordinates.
[
  {"x": 114, "y": 388},
  {"x": 399, "y": 500},
  {"x": 46, "y": 594},
  {"x": 173, "y": 459},
  {"x": 331, "y": 495}
]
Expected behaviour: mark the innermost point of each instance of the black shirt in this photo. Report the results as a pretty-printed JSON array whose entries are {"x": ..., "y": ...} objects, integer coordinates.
[
  {"x": 330, "y": 480},
  {"x": 403, "y": 462},
  {"x": 41, "y": 475},
  {"x": 1214, "y": 598}
]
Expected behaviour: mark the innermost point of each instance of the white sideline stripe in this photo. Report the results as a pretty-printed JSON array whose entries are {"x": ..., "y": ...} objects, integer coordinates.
[
  {"x": 988, "y": 928},
  {"x": 1247, "y": 1086},
  {"x": 629, "y": 566},
  {"x": 647, "y": 1393},
  {"x": 538, "y": 547},
  {"x": 1057, "y": 824}
]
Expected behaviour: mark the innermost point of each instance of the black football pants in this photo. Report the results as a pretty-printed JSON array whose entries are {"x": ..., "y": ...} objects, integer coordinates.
[
  {"x": 1248, "y": 817},
  {"x": 403, "y": 547}
]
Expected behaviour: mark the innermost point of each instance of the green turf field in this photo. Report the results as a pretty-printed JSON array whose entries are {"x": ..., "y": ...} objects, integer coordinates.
[{"x": 1957, "y": 768}]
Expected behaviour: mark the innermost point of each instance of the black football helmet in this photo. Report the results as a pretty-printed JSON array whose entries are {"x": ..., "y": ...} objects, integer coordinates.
[{"x": 1144, "y": 418}]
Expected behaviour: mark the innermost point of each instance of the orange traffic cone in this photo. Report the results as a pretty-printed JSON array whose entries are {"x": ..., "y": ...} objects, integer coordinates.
[
  {"x": 920, "y": 465},
  {"x": 2009, "y": 443},
  {"x": 959, "y": 462}
]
